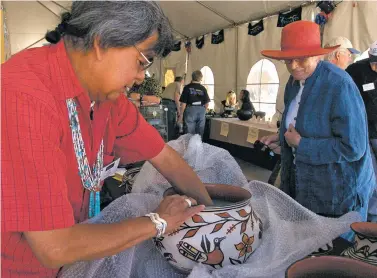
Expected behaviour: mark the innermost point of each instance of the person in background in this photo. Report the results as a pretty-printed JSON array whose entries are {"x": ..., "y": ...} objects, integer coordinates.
[
  {"x": 248, "y": 105},
  {"x": 246, "y": 102},
  {"x": 170, "y": 98},
  {"x": 342, "y": 56},
  {"x": 230, "y": 103},
  {"x": 64, "y": 118},
  {"x": 325, "y": 155},
  {"x": 195, "y": 102},
  {"x": 364, "y": 73},
  {"x": 173, "y": 92}
]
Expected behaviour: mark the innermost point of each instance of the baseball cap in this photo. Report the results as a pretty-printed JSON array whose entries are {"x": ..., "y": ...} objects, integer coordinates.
[
  {"x": 344, "y": 43},
  {"x": 373, "y": 52}
]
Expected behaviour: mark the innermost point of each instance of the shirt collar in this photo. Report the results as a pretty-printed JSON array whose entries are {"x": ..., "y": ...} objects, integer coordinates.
[{"x": 62, "y": 73}]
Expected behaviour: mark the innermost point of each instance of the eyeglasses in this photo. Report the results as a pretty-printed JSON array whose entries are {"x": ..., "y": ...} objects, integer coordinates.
[
  {"x": 297, "y": 60},
  {"x": 148, "y": 62}
]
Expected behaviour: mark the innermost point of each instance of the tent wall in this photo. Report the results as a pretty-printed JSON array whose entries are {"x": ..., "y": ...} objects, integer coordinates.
[
  {"x": 249, "y": 48},
  {"x": 230, "y": 61},
  {"x": 220, "y": 58},
  {"x": 28, "y": 22},
  {"x": 231, "y": 68},
  {"x": 355, "y": 20}
]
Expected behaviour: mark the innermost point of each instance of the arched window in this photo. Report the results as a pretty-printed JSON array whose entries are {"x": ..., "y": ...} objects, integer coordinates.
[
  {"x": 263, "y": 85},
  {"x": 209, "y": 82},
  {"x": 169, "y": 77},
  {"x": 364, "y": 55}
]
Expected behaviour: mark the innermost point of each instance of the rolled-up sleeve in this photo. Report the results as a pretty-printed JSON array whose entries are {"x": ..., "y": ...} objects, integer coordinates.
[
  {"x": 349, "y": 129},
  {"x": 136, "y": 140}
]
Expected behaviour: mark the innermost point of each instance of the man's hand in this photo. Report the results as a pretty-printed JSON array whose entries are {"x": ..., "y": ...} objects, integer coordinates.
[
  {"x": 175, "y": 210},
  {"x": 55, "y": 248},
  {"x": 180, "y": 175},
  {"x": 292, "y": 137},
  {"x": 267, "y": 140},
  {"x": 180, "y": 119}
]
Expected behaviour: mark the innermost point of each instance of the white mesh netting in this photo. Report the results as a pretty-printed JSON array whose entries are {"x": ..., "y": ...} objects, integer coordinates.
[{"x": 291, "y": 232}]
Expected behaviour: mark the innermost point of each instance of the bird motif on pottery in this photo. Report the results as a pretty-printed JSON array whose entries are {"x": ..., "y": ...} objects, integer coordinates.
[
  {"x": 169, "y": 257},
  {"x": 213, "y": 258}
]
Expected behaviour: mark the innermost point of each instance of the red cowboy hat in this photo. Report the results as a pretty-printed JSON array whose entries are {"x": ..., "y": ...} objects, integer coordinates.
[{"x": 298, "y": 40}]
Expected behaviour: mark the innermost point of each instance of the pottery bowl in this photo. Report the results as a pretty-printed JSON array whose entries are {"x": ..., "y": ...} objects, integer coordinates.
[
  {"x": 365, "y": 246},
  {"x": 224, "y": 234},
  {"x": 330, "y": 267}
]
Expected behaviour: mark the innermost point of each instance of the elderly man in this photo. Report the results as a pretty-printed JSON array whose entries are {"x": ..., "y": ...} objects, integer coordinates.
[
  {"x": 326, "y": 161},
  {"x": 64, "y": 117},
  {"x": 364, "y": 73},
  {"x": 342, "y": 56}
]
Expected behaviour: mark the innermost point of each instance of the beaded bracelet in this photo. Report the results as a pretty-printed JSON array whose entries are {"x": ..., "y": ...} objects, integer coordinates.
[{"x": 159, "y": 222}]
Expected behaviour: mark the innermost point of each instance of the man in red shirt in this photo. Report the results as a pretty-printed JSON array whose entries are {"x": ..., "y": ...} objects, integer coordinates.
[{"x": 54, "y": 148}]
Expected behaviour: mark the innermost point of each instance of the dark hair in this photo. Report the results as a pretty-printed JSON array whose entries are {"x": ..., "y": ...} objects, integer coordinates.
[
  {"x": 115, "y": 23},
  {"x": 178, "y": 79},
  {"x": 246, "y": 96}
]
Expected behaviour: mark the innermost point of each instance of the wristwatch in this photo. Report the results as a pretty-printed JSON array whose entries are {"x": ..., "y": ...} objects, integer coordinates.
[{"x": 160, "y": 223}]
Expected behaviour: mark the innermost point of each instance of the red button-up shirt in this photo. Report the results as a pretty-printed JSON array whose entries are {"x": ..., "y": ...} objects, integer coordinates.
[{"x": 40, "y": 185}]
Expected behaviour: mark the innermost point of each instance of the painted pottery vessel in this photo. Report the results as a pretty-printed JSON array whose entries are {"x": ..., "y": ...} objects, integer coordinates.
[
  {"x": 224, "y": 234},
  {"x": 330, "y": 267},
  {"x": 365, "y": 246}
]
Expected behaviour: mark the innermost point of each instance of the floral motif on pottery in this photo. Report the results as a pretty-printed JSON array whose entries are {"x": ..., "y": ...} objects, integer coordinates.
[{"x": 215, "y": 237}]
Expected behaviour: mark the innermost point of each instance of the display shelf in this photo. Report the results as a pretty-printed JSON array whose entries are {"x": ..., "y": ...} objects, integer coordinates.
[{"x": 157, "y": 116}]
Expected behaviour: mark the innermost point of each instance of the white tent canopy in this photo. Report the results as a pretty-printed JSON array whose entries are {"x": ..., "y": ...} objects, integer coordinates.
[
  {"x": 231, "y": 61},
  {"x": 194, "y": 18}
]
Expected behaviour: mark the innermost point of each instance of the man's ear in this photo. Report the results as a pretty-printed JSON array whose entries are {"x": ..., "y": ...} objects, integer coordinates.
[
  {"x": 337, "y": 55},
  {"x": 98, "y": 51}
]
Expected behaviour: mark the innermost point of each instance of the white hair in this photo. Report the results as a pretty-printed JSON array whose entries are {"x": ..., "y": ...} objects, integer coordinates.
[{"x": 332, "y": 55}]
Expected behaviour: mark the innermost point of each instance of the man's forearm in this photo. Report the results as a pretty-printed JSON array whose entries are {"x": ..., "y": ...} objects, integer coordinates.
[
  {"x": 177, "y": 103},
  {"x": 178, "y": 107},
  {"x": 183, "y": 108},
  {"x": 172, "y": 166},
  {"x": 83, "y": 242}
]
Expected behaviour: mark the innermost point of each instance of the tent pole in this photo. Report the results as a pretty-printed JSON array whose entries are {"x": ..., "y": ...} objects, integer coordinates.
[{"x": 236, "y": 58}]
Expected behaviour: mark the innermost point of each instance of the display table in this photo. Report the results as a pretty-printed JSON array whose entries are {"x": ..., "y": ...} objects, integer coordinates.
[
  {"x": 241, "y": 133},
  {"x": 236, "y": 141}
]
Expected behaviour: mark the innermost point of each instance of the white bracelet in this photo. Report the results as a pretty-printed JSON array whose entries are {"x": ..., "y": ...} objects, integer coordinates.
[{"x": 159, "y": 222}]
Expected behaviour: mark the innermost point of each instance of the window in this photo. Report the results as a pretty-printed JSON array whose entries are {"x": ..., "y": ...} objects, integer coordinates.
[
  {"x": 263, "y": 85},
  {"x": 169, "y": 77},
  {"x": 209, "y": 82},
  {"x": 362, "y": 56}
]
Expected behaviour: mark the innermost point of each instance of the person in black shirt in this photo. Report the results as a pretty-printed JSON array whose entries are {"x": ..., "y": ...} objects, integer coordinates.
[
  {"x": 245, "y": 99},
  {"x": 364, "y": 74},
  {"x": 195, "y": 102}
]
